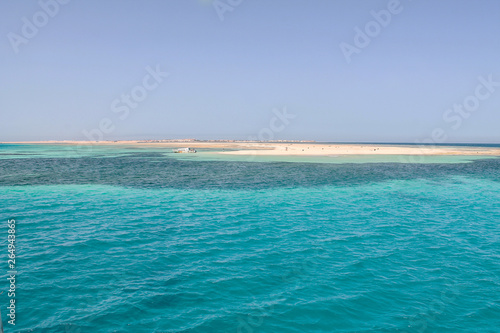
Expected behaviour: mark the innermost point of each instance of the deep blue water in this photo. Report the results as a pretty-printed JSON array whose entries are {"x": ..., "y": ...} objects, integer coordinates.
[{"x": 143, "y": 242}]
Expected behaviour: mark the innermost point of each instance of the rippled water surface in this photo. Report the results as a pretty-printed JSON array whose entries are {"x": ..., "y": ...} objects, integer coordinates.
[{"x": 139, "y": 241}]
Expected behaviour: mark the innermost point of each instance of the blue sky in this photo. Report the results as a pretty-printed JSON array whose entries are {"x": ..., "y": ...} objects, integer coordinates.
[{"x": 225, "y": 77}]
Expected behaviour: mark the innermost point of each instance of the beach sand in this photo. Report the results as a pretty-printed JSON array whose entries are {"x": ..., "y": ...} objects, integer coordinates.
[{"x": 296, "y": 148}]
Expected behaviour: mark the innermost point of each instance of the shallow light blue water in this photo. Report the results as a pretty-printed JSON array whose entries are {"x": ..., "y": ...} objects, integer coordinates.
[{"x": 145, "y": 243}]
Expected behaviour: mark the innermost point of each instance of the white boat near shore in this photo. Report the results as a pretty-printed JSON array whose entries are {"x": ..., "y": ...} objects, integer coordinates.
[{"x": 184, "y": 150}]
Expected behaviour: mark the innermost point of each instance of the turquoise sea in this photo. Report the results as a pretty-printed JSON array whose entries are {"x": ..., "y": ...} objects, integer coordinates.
[{"x": 128, "y": 239}]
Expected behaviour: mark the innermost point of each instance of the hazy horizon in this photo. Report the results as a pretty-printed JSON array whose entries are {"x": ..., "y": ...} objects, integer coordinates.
[{"x": 264, "y": 141}]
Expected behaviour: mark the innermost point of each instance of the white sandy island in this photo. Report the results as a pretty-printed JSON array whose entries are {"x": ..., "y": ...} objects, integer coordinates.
[{"x": 296, "y": 148}]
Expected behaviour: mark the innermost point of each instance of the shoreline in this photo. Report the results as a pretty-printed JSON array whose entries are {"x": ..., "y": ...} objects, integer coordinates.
[{"x": 294, "y": 148}]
